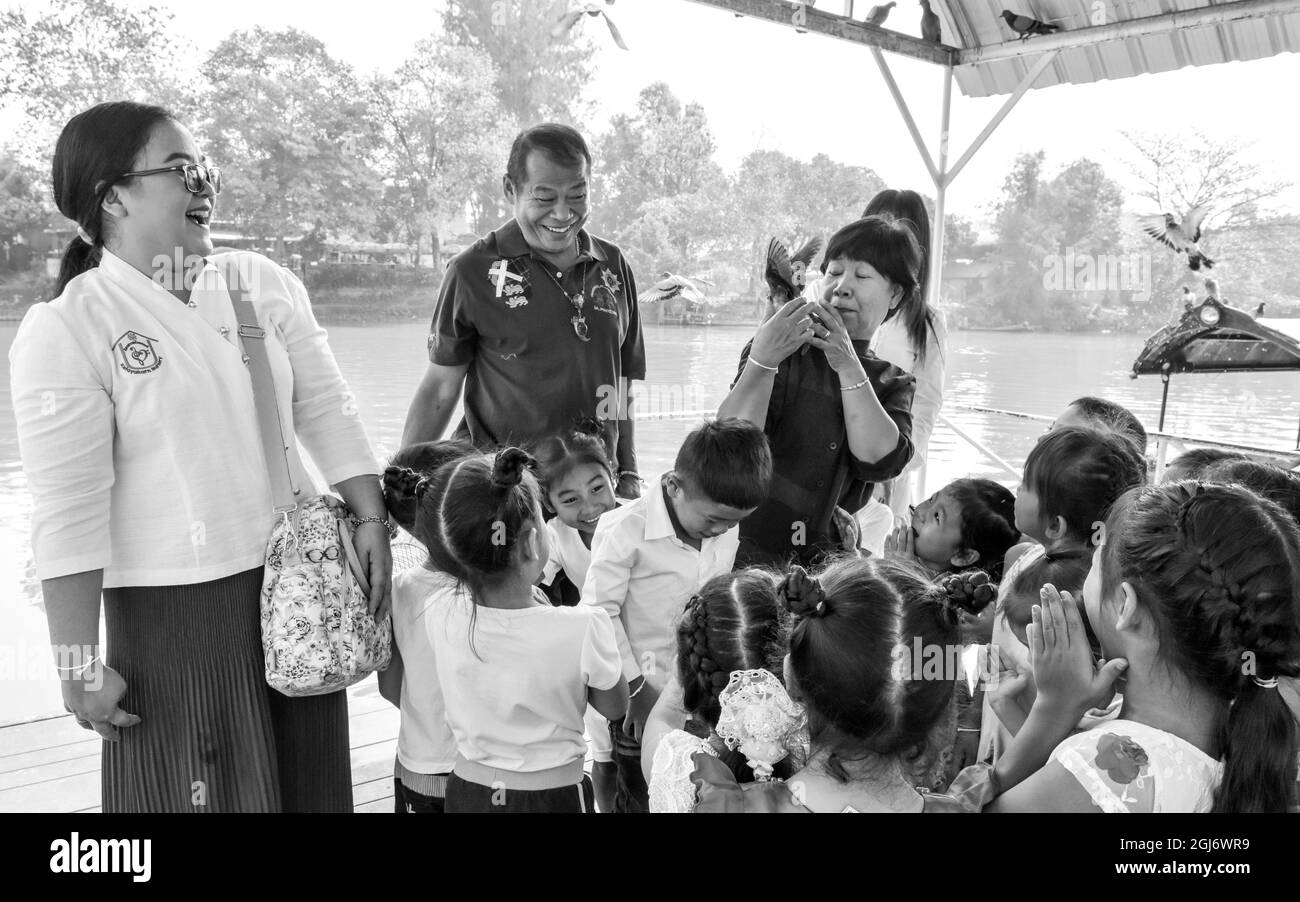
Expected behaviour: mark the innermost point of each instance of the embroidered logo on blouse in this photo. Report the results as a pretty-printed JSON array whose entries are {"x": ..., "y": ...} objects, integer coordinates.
[{"x": 137, "y": 353}]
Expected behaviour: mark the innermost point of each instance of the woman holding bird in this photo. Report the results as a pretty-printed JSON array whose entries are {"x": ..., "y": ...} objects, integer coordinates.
[{"x": 838, "y": 418}]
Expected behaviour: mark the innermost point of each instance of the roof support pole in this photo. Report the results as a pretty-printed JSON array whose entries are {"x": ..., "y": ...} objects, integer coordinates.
[
  {"x": 905, "y": 112},
  {"x": 1025, "y": 84},
  {"x": 934, "y": 265}
]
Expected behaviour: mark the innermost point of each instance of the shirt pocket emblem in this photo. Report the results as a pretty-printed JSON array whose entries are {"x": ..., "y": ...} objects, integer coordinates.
[{"x": 136, "y": 353}]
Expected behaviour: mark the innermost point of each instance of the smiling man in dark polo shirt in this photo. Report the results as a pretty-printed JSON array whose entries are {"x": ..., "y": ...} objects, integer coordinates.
[{"x": 538, "y": 321}]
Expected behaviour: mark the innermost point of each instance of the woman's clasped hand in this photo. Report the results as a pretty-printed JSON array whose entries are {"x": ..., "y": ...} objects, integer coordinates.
[{"x": 785, "y": 332}]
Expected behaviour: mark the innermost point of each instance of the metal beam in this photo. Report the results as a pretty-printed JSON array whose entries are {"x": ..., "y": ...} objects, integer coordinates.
[
  {"x": 804, "y": 17},
  {"x": 1025, "y": 84},
  {"x": 1165, "y": 23},
  {"x": 906, "y": 113}
]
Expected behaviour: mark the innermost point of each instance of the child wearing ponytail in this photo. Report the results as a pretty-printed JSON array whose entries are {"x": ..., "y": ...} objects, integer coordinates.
[
  {"x": 516, "y": 673},
  {"x": 577, "y": 482},
  {"x": 871, "y": 659},
  {"x": 1196, "y": 586},
  {"x": 733, "y": 623},
  {"x": 426, "y": 749}
]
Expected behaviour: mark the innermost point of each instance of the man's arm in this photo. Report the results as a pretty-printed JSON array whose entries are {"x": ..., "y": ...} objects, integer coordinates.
[
  {"x": 629, "y": 486},
  {"x": 434, "y": 403}
]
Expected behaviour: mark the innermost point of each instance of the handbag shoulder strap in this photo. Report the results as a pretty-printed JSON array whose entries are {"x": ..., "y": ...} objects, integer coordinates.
[{"x": 275, "y": 446}]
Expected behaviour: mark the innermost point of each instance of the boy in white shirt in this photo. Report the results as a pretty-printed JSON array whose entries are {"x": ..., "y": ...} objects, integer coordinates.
[{"x": 650, "y": 555}]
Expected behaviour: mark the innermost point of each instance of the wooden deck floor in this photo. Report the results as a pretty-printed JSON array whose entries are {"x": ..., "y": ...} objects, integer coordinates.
[{"x": 52, "y": 765}]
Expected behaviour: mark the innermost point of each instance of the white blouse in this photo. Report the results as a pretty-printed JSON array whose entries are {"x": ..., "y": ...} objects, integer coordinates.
[
  {"x": 137, "y": 427},
  {"x": 892, "y": 342}
]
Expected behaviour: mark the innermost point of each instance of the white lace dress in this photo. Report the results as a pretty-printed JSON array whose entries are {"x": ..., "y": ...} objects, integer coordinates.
[{"x": 671, "y": 789}]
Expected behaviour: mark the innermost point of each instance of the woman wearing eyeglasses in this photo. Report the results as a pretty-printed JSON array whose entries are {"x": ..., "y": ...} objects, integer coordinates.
[{"x": 139, "y": 438}]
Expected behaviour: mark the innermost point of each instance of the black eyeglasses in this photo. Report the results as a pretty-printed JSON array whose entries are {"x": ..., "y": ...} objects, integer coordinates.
[{"x": 196, "y": 176}]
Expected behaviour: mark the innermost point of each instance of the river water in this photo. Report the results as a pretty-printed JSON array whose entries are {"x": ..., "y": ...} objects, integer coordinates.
[{"x": 690, "y": 369}]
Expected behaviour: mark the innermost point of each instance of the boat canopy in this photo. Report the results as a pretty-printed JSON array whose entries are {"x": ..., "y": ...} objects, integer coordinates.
[{"x": 1215, "y": 338}]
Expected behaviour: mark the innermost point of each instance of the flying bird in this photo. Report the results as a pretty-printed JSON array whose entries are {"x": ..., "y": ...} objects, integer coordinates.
[
  {"x": 785, "y": 273},
  {"x": 570, "y": 19},
  {"x": 930, "y": 24},
  {"x": 670, "y": 286},
  {"x": 1181, "y": 237},
  {"x": 1026, "y": 25},
  {"x": 878, "y": 14}
]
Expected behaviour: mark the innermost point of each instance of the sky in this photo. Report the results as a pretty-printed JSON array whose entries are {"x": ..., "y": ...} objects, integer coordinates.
[{"x": 764, "y": 86}]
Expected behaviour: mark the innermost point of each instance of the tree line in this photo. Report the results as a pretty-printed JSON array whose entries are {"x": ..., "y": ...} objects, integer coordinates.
[{"x": 314, "y": 150}]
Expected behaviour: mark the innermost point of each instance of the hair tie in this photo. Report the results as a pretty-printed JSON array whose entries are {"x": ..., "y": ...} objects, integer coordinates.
[
  {"x": 592, "y": 426},
  {"x": 421, "y": 486},
  {"x": 508, "y": 467},
  {"x": 970, "y": 591},
  {"x": 802, "y": 595},
  {"x": 1270, "y": 683},
  {"x": 85, "y": 236}
]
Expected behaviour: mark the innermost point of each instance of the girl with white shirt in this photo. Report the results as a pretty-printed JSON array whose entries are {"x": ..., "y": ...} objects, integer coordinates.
[
  {"x": 426, "y": 749},
  {"x": 1195, "y": 587},
  {"x": 516, "y": 673},
  {"x": 577, "y": 483},
  {"x": 140, "y": 443}
]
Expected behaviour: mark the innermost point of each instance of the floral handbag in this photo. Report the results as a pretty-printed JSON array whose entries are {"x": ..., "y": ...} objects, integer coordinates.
[{"x": 317, "y": 634}]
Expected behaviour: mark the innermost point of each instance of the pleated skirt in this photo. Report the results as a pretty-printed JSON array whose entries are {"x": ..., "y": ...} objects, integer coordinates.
[{"x": 213, "y": 736}]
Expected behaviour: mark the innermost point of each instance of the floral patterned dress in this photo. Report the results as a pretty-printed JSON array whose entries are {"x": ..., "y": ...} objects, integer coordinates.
[{"x": 1128, "y": 766}]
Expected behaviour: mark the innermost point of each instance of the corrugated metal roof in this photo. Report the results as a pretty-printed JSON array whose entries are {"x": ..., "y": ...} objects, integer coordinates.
[{"x": 978, "y": 23}]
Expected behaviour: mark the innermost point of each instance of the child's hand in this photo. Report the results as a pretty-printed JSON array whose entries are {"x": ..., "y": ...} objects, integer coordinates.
[
  {"x": 1005, "y": 688},
  {"x": 846, "y": 526},
  {"x": 639, "y": 707},
  {"x": 900, "y": 544},
  {"x": 1067, "y": 678}
]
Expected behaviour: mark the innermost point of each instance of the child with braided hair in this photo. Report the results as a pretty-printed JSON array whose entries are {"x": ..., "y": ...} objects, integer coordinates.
[
  {"x": 867, "y": 661},
  {"x": 426, "y": 749},
  {"x": 733, "y": 623},
  {"x": 517, "y": 673},
  {"x": 1196, "y": 586}
]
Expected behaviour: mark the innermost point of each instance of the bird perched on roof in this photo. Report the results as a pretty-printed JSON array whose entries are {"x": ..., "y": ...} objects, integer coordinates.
[
  {"x": 930, "y": 24},
  {"x": 1189, "y": 298},
  {"x": 1027, "y": 25},
  {"x": 1259, "y": 311},
  {"x": 878, "y": 14},
  {"x": 670, "y": 286},
  {"x": 1181, "y": 236},
  {"x": 570, "y": 19},
  {"x": 1212, "y": 290}
]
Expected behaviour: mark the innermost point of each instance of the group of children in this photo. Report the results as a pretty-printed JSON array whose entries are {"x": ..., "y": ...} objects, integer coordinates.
[{"x": 1140, "y": 653}]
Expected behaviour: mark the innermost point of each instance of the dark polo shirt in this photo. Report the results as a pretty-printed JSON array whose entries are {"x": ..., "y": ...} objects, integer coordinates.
[
  {"x": 529, "y": 375},
  {"x": 813, "y": 471}
]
